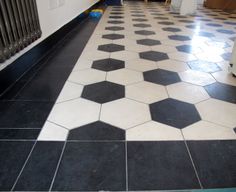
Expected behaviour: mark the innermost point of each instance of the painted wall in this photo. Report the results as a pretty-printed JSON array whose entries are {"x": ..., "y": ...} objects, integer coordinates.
[{"x": 53, "y": 14}]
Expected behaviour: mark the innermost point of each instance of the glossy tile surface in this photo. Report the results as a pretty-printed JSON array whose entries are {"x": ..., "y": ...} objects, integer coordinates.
[{"x": 147, "y": 104}]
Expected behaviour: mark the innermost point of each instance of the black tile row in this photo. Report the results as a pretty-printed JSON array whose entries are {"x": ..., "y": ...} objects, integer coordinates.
[{"x": 92, "y": 166}]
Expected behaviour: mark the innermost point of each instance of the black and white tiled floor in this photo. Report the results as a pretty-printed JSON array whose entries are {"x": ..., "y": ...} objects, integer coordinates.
[{"x": 149, "y": 105}]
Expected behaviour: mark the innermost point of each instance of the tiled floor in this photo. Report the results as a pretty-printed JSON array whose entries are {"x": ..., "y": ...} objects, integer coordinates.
[{"x": 149, "y": 105}]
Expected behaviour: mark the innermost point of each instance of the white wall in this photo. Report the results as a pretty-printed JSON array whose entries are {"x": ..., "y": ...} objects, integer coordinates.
[{"x": 51, "y": 19}]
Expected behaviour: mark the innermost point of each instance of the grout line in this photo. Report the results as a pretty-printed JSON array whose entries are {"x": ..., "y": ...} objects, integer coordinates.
[
  {"x": 27, "y": 159},
  {"x": 58, "y": 164},
  {"x": 190, "y": 156},
  {"x": 126, "y": 165}
]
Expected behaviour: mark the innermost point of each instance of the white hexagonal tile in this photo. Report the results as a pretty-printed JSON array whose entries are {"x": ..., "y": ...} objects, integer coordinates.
[
  {"x": 203, "y": 130},
  {"x": 94, "y": 55},
  {"x": 124, "y": 76},
  {"x": 209, "y": 56},
  {"x": 164, "y": 48},
  {"x": 70, "y": 91},
  {"x": 185, "y": 57},
  {"x": 125, "y": 113},
  {"x": 153, "y": 131},
  {"x": 225, "y": 77},
  {"x": 219, "y": 112},
  {"x": 75, "y": 113},
  {"x": 82, "y": 64},
  {"x": 87, "y": 76},
  {"x": 53, "y": 132},
  {"x": 140, "y": 65},
  {"x": 146, "y": 92},
  {"x": 187, "y": 92},
  {"x": 124, "y": 55},
  {"x": 173, "y": 65},
  {"x": 197, "y": 77}
]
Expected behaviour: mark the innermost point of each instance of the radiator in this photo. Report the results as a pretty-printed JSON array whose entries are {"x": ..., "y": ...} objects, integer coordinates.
[{"x": 19, "y": 26}]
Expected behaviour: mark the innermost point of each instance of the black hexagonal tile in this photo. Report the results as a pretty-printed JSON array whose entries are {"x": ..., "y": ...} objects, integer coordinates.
[
  {"x": 115, "y": 28},
  {"x": 116, "y": 17},
  {"x": 214, "y": 25},
  {"x": 179, "y": 37},
  {"x": 206, "y": 34},
  {"x": 160, "y": 76},
  {"x": 108, "y": 64},
  {"x": 97, "y": 131},
  {"x": 116, "y": 13},
  {"x": 148, "y": 42},
  {"x": 185, "y": 48},
  {"x": 205, "y": 66},
  {"x": 186, "y": 21},
  {"x": 166, "y": 23},
  {"x": 191, "y": 26},
  {"x": 235, "y": 130},
  {"x": 111, "y": 47},
  {"x": 145, "y": 32},
  {"x": 140, "y": 20},
  {"x": 138, "y": 15},
  {"x": 222, "y": 92},
  {"x": 225, "y": 31},
  {"x": 226, "y": 56},
  {"x": 115, "y": 22},
  {"x": 103, "y": 92},
  {"x": 174, "y": 113},
  {"x": 230, "y": 23},
  {"x": 203, "y": 19},
  {"x": 160, "y": 14},
  {"x": 171, "y": 29},
  {"x": 142, "y": 25},
  {"x": 153, "y": 55},
  {"x": 113, "y": 36},
  {"x": 161, "y": 18}
]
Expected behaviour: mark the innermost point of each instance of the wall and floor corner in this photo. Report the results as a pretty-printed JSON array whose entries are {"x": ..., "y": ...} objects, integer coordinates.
[{"x": 56, "y": 17}]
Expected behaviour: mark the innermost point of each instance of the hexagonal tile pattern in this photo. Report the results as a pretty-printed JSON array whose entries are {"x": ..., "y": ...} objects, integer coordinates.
[
  {"x": 140, "y": 20},
  {"x": 197, "y": 77},
  {"x": 146, "y": 92},
  {"x": 115, "y": 22},
  {"x": 87, "y": 76},
  {"x": 225, "y": 77},
  {"x": 111, "y": 47},
  {"x": 124, "y": 76},
  {"x": 153, "y": 131},
  {"x": 179, "y": 37},
  {"x": 140, "y": 65},
  {"x": 166, "y": 23},
  {"x": 74, "y": 113},
  {"x": 187, "y": 92},
  {"x": 162, "y": 77},
  {"x": 142, "y": 25},
  {"x": 96, "y": 131},
  {"x": 125, "y": 113},
  {"x": 153, "y": 55},
  {"x": 219, "y": 112},
  {"x": 148, "y": 42},
  {"x": 103, "y": 92},
  {"x": 70, "y": 91},
  {"x": 108, "y": 64},
  {"x": 206, "y": 34},
  {"x": 115, "y": 28},
  {"x": 174, "y": 113},
  {"x": 173, "y": 65},
  {"x": 113, "y": 36},
  {"x": 204, "y": 66},
  {"x": 171, "y": 29},
  {"x": 145, "y": 32},
  {"x": 222, "y": 92},
  {"x": 187, "y": 49}
]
